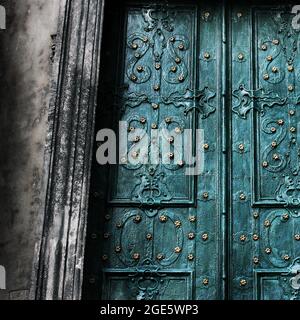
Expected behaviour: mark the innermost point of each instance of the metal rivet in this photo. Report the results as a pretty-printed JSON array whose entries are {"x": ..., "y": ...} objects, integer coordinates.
[
  {"x": 154, "y": 126},
  {"x": 243, "y": 282},
  {"x": 136, "y": 256},
  {"x": 168, "y": 120},
  {"x": 255, "y": 260},
  {"x": 205, "y": 236},
  {"x": 105, "y": 257},
  {"x": 267, "y": 223},
  {"x": 190, "y": 257},
  {"x": 171, "y": 139},
  {"x": 156, "y": 87},
  {"x": 118, "y": 249},
  {"x": 285, "y": 216},
  {"x": 145, "y": 39},
  {"x": 143, "y": 120},
  {"x": 155, "y": 106},
  {"x": 241, "y": 147},
  {"x": 266, "y": 76},
  {"x": 205, "y": 282},
  {"x": 160, "y": 257},
  {"x": 140, "y": 68},
  {"x": 177, "y": 250},
  {"x": 286, "y": 257},
  {"x": 191, "y": 235},
  {"x": 177, "y": 60},
  {"x": 163, "y": 218},
  {"x": 173, "y": 68},
  {"x": 206, "y": 55},
  {"x": 269, "y": 58},
  {"x": 268, "y": 250},
  {"x": 290, "y": 68},
  {"x": 137, "y": 55},
  {"x": 265, "y": 164},
  {"x": 264, "y": 47},
  {"x": 297, "y": 237},
  {"x": 172, "y": 39},
  {"x": 133, "y": 77},
  {"x": 137, "y": 139},
  {"x": 239, "y": 14},
  {"x": 293, "y": 129},
  {"x": 106, "y": 235},
  {"x": 178, "y": 130},
  {"x": 291, "y": 112},
  {"x": 276, "y": 42},
  {"x": 149, "y": 236},
  {"x": 131, "y": 129},
  {"x": 170, "y": 155},
  {"x": 273, "y": 129},
  {"x": 180, "y": 163},
  {"x": 274, "y": 144},
  {"x": 135, "y": 155},
  {"x": 206, "y": 146},
  {"x": 157, "y": 66},
  {"x": 137, "y": 219},
  {"x": 255, "y": 215},
  {"x": 123, "y": 160},
  {"x": 177, "y": 224},
  {"x": 119, "y": 225},
  {"x": 255, "y": 237},
  {"x": 274, "y": 69},
  {"x": 107, "y": 217},
  {"x": 181, "y": 78},
  {"x": 205, "y": 195},
  {"x": 181, "y": 46},
  {"x": 276, "y": 156},
  {"x": 206, "y": 14},
  {"x": 242, "y": 196},
  {"x": 192, "y": 219},
  {"x": 134, "y": 46},
  {"x": 243, "y": 238},
  {"x": 291, "y": 88},
  {"x": 240, "y": 56}
]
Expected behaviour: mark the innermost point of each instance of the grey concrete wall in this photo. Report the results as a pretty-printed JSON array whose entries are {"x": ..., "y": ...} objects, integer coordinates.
[{"x": 25, "y": 51}]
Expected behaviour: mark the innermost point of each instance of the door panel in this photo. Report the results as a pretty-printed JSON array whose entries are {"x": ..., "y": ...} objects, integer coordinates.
[{"x": 233, "y": 230}]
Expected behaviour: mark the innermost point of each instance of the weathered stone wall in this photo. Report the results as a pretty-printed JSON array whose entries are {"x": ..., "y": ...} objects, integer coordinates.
[{"x": 25, "y": 50}]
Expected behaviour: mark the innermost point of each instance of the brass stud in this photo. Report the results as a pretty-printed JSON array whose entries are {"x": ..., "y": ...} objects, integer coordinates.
[
  {"x": 243, "y": 238},
  {"x": 181, "y": 46},
  {"x": 242, "y": 197},
  {"x": 297, "y": 237},
  {"x": 206, "y": 146},
  {"x": 192, "y": 218},
  {"x": 290, "y": 68},
  {"x": 205, "y": 282},
  {"x": 255, "y": 215},
  {"x": 177, "y": 224},
  {"x": 181, "y": 78},
  {"x": 136, "y": 256},
  {"x": 177, "y": 60},
  {"x": 206, "y": 15},
  {"x": 163, "y": 218},
  {"x": 177, "y": 130},
  {"x": 274, "y": 144},
  {"x": 160, "y": 257},
  {"x": 265, "y": 164},
  {"x": 266, "y": 76},
  {"x": 155, "y": 106},
  {"x": 137, "y": 219},
  {"x": 239, "y": 14},
  {"x": 135, "y": 154},
  {"x": 145, "y": 39},
  {"x": 107, "y": 217},
  {"x": 293, "y": 129},
  {"x": 171, "y": 139},
  {"x": 170, "y": 155},
  {"x": 268, "y": 250},
  {"x": 276, "y": 156},
  {"x": 291, "y": 88},
  {"x": 286, "y": 257},
  {"x": 241, "y": 147},
  {"x": 255, "y": 237},
  {"x": 140, "y": 68},
  {"x": 190, "y": 257},
  {"x": 180, "y": 163},
  {"x": 106, "y": 235},
  {"x": 274, "y": 69},
  {"x": 276, "y": 42},
  {"x": 205, "y": 195},
  {"x": 191, "y": 236},
  {"x": 291, "y": 112},
  {"x": 273, "y": 130},
  {"x": 157, "y": 66},
  {"x": 154, "y": 126},
  {"x": 205, "y": 237},
  {"x": 143, "y": 120},
  {"x": 269, "y": 58},
  {"x": 137, "y": 55},
  {"x": 240, "y": 56},
  {"x": 285, "y": 216},
  {"x": 149, "y": 236},
  {"x": 267, "y": 223},
  {"x": 134, "y": 46},
  {"x": 243, "y": 282},
  {"x": 256, "y": 260},
  {"x": 264, "y": 47},
  {"x": 206, "y": 55},
  {"x": 118, "y": 249},
  {"x": 168, "y": 120},
  {"x": 131, "y": 129},
  {"x": 156, "y": 87},
  {"x": 173, "y": 68},
  {"x": 172, "y": 39},
  {"x": 133, "y": 77},
  {"x": 105, "y": 257},
  {"x": 137, "y": 139},
  {"x": 177, "y": 250}
]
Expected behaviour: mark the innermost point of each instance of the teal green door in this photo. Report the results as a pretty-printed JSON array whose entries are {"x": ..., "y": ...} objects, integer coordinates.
[{"x": 232, "y": 230}]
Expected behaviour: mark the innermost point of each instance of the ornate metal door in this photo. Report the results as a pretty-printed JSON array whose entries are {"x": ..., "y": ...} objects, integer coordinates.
[{"x": 233, "y": 230}]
